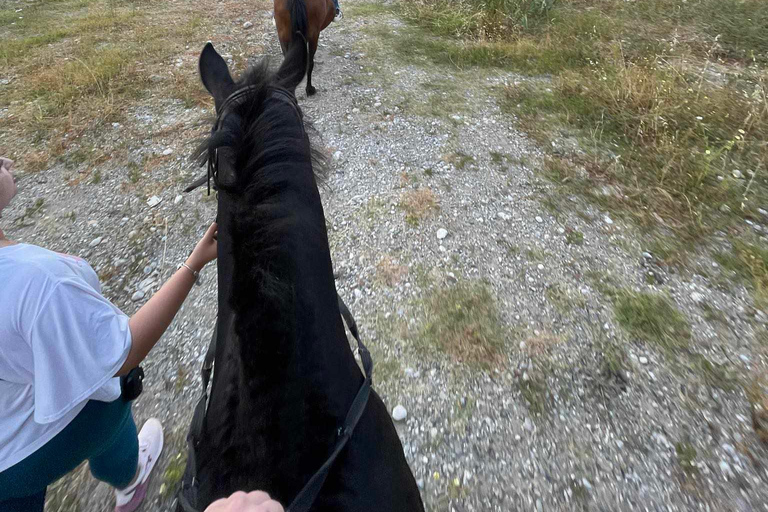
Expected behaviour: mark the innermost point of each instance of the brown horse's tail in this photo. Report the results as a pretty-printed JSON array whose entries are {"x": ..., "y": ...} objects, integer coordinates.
[{"x": 299, "y": 21}]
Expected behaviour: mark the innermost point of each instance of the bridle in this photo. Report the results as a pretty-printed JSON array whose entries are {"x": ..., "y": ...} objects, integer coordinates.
[
  {"x": 228, "y": 106},
  {"x": 308, "y": 494}
]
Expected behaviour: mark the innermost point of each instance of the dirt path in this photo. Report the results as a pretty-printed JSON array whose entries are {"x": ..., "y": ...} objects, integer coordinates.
[{"x": 436, "y": 212}]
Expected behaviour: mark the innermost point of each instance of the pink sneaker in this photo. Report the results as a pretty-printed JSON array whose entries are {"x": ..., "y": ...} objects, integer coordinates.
[{"x": 150, "y": 446}]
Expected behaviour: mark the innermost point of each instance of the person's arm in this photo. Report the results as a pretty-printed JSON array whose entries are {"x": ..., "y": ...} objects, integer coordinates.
[{"x": 153, "y": 318}]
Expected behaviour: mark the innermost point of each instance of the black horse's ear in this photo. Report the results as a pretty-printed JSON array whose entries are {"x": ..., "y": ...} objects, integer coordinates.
[
  {"x": 215, "y": 74},
  {"x": 294, "y": 65}
]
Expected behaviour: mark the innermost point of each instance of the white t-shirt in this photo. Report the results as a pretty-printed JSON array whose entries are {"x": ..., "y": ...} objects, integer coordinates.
[{"x": 61, "y": 343}]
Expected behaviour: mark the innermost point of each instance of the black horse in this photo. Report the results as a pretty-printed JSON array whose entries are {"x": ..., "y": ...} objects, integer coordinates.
[{"x": 285, "y": 377}]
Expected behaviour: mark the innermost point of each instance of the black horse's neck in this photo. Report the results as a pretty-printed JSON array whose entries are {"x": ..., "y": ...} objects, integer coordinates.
[{"x": 285, "y": 376}]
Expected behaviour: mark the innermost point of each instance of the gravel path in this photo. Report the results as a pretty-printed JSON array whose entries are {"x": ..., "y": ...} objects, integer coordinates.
[{"x": 549, "y": 427}]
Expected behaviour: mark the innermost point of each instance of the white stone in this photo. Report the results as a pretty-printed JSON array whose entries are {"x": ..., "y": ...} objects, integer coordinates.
[
  {"x": 153, "y": 201},
  {"x": 167, "y": 152},
  {"x": 697, "y": 297},
  {"x": 539, "y": 219},
  {"x": 95, "y": 242},
  {"x": 608, "y": 220},
  {"x": 178, "y": 199},
  {"x": 137, "y": 296},
  {"x": 247, "y": 24},
  {"x": 643, "y": 360},
  {"x": 399, "y": 413},
  {"x": 528, "y": 424},
  {"x": 337, "y": 155},
  {"x": 442, "y": 233},
  {"x": 737, "y": 174}
]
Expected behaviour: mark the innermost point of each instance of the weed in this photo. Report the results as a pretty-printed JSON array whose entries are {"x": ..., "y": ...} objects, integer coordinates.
[
  {"x": 748, "y": 262},
  {"x": 459, "y": 159},
  {"x": 559, "y": 297},
  {"x": 535, "y": 392},
  {"x": 534, "y": 254},
  {"x": 686, "y": 457},
  {"x": 96, "y": 177},
  {"x": 390, "y": 272},
  {"x": 573, "y": 236},
  {"x": 173, "y": 474},
  {"x": 713, "y": 374},
  {"x": 463, "y": 321},
  {"x": 511, "y": 249},
  {"x": 30, "y": 212},
  {"x": 417, "y": 204},
  {"x": 652, "y": 318},
  {"x": 713, "y": 315},
  {"x": 757, "y": 393}
]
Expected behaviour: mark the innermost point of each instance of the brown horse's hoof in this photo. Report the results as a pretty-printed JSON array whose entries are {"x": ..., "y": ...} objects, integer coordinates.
[{"x": 311, "y": 91}]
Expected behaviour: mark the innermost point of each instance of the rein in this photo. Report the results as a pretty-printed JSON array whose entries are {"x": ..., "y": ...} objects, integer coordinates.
[{"x": 187, "y": 496}]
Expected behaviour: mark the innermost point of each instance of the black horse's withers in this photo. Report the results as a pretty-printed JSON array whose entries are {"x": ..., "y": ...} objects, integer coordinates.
[{"x": 286, "y": 381}]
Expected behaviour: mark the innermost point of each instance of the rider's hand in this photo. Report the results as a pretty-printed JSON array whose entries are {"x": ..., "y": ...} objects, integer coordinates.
[
  {"x": 206, "y": 249},
  {"x": 256, "y": 501}
]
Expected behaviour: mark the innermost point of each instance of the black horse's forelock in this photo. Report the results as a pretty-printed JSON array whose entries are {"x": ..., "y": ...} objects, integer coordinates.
[{"x": 253, "y": 126}]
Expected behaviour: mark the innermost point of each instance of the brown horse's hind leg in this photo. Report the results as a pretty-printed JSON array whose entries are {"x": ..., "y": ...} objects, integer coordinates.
[{"x": 311, "y": 64}]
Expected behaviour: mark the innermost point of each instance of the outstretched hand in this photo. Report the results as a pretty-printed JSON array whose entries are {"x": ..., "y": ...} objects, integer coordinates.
[{"x": 256, "y": 501}]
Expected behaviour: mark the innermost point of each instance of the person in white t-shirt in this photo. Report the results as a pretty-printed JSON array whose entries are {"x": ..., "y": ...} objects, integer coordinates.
[{"x": 62, "y": 348}]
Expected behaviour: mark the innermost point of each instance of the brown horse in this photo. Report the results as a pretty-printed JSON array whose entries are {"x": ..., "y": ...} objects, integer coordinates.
[{"x": 307, "y": 17}]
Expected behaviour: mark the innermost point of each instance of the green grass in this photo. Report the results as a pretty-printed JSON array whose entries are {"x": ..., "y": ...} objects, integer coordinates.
[
  {"x": 686, "y": 457},
  {"x": 463, "y": 321},
  {"x": 713, "y": 374},
  {"x": 535, "y": 393},
  {"x": 561, "y": 299},
  {"x": 460, "y": 160},
  {"x": 653, "y": 319},
  {"x": 173, "y": 475},
  {"x": 574, "y": 237},
  {"x": 749, "y": 263},
  {"x": 364, "y": 10}
]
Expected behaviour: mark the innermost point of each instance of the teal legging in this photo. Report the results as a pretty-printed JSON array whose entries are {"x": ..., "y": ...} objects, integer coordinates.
[{"x": 102, "y": 433}]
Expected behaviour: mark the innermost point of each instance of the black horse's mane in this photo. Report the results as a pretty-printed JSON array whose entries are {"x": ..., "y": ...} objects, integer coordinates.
[
  {"x": 265, "y": 159},
  {"x": 261, "y": 145}
]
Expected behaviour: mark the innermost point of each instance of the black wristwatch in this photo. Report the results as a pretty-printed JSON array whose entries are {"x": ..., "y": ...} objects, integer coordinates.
[{"x": 131, "y": 384}]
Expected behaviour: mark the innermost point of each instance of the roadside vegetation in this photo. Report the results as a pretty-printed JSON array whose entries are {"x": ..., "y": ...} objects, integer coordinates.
[{"x": 667, "y": 99}]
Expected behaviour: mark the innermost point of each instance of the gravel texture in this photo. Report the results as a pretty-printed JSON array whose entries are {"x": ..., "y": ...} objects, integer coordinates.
[{"x": 547, "y": 428}]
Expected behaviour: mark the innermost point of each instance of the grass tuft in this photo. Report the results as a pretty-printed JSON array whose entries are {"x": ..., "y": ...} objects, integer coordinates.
[
  {"x": 652, "y": 318},
  {"x": 417, "y": 204},
  {"x": 464, "y": 321}
]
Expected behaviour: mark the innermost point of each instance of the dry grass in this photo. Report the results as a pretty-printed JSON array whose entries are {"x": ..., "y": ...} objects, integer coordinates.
[
  {"x": 389, "y": 271},
  {"x": 542, "y": 344},
  {"x": 77, "y": 64},
  {"x": 417, "y": 204}
]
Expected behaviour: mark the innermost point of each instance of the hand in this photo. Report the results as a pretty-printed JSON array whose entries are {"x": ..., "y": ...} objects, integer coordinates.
[
  {"x": 6, "y": 163},
  {"x": 7, "y": 183},
  {"x": 206, "y": 249},
  {"x": 256, "y": 501}
]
